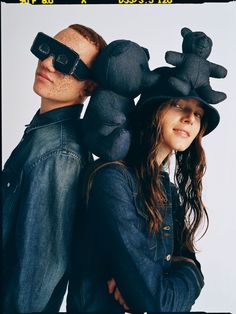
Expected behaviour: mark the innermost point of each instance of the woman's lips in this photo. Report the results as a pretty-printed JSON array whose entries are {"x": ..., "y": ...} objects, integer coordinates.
[{"x": 182, "y": 132}]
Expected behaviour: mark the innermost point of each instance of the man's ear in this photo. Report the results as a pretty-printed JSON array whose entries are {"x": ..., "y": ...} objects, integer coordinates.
[{"x": 90, "y": 87}]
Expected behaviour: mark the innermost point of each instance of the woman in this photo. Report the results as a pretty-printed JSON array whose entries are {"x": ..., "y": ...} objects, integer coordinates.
[{"x": 139, "y": 229}]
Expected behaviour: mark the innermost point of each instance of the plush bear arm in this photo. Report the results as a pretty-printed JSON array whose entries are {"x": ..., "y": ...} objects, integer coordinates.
[
  {"x": 217, "y": 71},
  {"x": 174, "y": 58}
]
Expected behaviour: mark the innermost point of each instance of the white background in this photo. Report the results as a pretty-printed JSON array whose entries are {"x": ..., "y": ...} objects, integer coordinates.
[{"x": 156, "y": 27}]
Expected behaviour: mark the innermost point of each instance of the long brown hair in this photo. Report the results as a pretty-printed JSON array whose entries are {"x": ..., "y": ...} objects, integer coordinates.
[{"x": 190, "y": 168}]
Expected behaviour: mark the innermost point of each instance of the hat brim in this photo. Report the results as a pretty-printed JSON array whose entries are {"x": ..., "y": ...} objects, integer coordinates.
[
  {"x": 210, "y": 113},
  {"x": 163, "y": 91}
]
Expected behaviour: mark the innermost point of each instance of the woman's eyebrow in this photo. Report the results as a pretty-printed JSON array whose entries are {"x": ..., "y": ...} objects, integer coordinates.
[{"x": 199, "y": 106}]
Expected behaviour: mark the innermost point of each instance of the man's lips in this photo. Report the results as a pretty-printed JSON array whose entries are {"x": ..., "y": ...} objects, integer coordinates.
[
  {"x": 182, "y": 132},
  {"x": 43, "y": 75}
]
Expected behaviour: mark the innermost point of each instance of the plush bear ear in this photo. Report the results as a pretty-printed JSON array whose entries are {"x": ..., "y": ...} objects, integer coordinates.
[
  {"x": 147, "y": 52},
  {"x": 185, "y": 31}
]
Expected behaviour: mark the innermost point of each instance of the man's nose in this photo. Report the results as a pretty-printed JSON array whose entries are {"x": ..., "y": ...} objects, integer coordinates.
[{"x": 48, "y": 64}]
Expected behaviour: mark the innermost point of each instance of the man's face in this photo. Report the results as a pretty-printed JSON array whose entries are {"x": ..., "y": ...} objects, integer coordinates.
[{"x": 56, "y": 88}]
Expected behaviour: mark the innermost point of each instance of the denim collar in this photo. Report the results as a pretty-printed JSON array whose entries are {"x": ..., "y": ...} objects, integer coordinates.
[
  {"x": 54, "y": 116},
  {"x": 165, "y": 175}
]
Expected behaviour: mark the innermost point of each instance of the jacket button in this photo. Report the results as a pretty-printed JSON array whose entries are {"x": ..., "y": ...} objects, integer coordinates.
[
  {"x": 8, "y": 184},
  {"x": 168, "y": 257},
  {"x": 167, "y": 228}
]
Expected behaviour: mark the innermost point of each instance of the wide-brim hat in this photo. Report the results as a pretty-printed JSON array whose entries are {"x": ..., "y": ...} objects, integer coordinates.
[{"x": 163, "y": 91}]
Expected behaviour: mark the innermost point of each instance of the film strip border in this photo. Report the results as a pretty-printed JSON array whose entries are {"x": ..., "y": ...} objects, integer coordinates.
[{"x": 124, "y": 2}]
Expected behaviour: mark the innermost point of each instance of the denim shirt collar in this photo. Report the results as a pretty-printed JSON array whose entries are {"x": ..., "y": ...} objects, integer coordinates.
[{"x": 54, "y": 116}]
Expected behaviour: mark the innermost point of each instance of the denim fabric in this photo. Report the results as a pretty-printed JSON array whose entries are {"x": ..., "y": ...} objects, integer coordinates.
[
  {"x": 114, "y": 242},
  {"x": 40, "y": 198}
]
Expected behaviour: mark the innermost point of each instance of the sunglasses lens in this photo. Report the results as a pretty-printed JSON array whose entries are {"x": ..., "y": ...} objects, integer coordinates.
[
  {"x": 62, "y": 63},
  {"x": 44, "y": 49},
  {"x": 40, "y": 48},
  {"x": 62, "y": 59}
]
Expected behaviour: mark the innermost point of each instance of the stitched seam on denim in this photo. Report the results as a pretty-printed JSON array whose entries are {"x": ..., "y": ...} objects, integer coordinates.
[
  {"x": 127, "y": 176},
  {"x": 33, "y": 128},
  {"x": 134, "y": 194},
  {"x": 61, "y": 138},
  {"x": 28, "y": 168},
  {"x": 123, "y": 171}
]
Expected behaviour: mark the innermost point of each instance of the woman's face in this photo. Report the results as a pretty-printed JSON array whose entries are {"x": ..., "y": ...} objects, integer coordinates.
[{"x": 180, "y": 124}]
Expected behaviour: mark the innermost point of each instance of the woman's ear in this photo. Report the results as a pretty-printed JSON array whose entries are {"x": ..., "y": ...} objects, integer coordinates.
[{"x": 90, "y": 86}]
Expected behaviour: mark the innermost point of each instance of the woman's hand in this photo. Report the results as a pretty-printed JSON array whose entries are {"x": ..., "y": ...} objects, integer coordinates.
[{"x": 117, "y": 295}]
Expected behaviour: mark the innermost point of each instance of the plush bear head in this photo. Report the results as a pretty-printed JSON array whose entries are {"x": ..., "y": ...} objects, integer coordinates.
[
  {"x": 123, "y": 67},
  {"x": 197, "y": 43}
]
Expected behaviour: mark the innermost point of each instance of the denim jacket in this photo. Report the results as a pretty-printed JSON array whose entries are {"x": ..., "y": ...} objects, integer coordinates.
[
  {"x": 114, "y": 242},
  {"x": 40, "y": 198}
]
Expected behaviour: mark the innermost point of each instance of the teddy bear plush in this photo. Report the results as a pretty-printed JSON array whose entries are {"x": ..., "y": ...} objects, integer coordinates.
[
  {"x": 122, "y": 72},
  {"x": 192, "y": 68},
  {"x": 106, "y": 124},
  {"x": 123, "y": 68}
]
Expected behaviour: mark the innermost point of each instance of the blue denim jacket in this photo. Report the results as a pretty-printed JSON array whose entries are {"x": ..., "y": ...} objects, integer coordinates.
[
  {"x": 40, "y": 193},
  {"x": 114, "y": 242}
]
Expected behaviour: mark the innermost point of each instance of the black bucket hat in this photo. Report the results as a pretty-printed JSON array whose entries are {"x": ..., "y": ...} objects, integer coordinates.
[{"x": 162, "y": 91}]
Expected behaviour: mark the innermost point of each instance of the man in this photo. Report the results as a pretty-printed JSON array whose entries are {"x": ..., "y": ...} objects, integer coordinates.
[{"x": 40, "y": 179}]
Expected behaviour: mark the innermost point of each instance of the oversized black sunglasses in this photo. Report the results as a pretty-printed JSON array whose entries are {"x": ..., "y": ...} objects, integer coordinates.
[{"x": 65, "y": 60}]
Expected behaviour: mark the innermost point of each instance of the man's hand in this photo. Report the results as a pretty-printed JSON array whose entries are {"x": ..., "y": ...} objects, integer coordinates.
[{"x": 117, "y": 295}]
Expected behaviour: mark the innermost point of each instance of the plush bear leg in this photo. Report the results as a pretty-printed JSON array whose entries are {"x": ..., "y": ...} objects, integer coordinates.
[
  {"x": 211, "y": 96},
  {"x": 180, "y": 85}
]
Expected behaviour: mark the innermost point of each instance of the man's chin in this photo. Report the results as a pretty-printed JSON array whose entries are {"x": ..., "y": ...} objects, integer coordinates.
[{"x": 38, "y": 89}]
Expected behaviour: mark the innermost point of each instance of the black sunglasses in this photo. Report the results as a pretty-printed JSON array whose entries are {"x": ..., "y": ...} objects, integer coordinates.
[{"x": 65, "y": 60}]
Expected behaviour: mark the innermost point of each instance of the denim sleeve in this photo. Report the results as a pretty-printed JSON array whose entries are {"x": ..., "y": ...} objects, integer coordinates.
[
  {"x": 143, "y": 283},
  {"x": 43, "y": 233}
]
